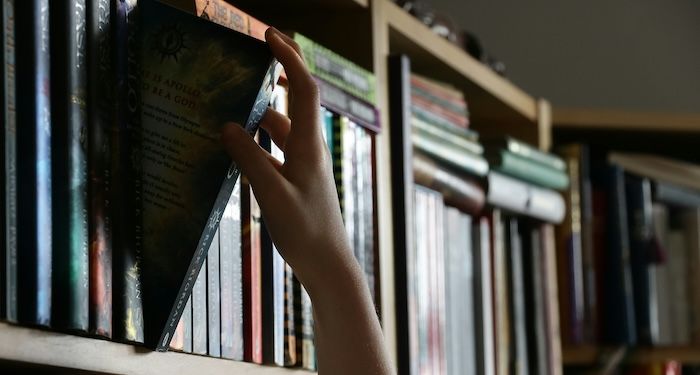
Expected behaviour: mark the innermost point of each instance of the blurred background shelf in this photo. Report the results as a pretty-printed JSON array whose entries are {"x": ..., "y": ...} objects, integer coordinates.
[
  {"x": 589, "y": 355},
  {"x": 600, "y": 119}
]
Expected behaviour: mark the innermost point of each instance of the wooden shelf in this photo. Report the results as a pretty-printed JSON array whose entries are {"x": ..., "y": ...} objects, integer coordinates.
[
  {"x": 21, "y": 344},
  {"x": 328, "y": 4},
  {"x": 590, "y": 355},
  {"x": 490, "y": 96},
  {"x": 596, "y": 119}
]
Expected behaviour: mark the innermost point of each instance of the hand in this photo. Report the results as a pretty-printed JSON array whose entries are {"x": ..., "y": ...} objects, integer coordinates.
[{"x": 299, "y": 204}]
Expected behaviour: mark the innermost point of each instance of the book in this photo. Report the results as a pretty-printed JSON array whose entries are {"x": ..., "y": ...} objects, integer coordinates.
[
  {"x": 303, "y": 315},
  {"x": 691, "y": 230},
  {"x": 439, "y": 112},
  {"x": 533, "y": 271},
  {"x": 70, "y": 132},
  {"x": 675, "y": 195},
  {"x": 678, "y": 268},
  {"x": 4, "y": 256},
  {"x": 290, "y": 336},
  {"x": 213, "y": 288},
  {"x": 524, "y": 169},
  {"x": 663, "y": 280},
  {"x": 523, "y": 198},
  {"x": 436, "y": 261},
  {"x": 483, "y": 298},
  {"x": 452, "y": 156},
  {"x": 187, "y": 327},
  {"x": 252, "y": 303},
  {"x": 34, "y": 179},
  {"x": 340, "y": 102},
  {"x": 126, "y": 256},
  {"x": 337, "y": 70},
  {"x": 439, "y": 90},
  {"x": 182, "y": 115},
  {"x": 231, "y": 278},
  {"x": 552, "y": 328},
  {"x": 457, "y": 139},
  {"x": 9, "y": 177},
  {"x": 657, "y": 168},
  {"x": 526, "y": 151},
  {"x": 437, "y": 120},
  {"x": 519, "y": 363},
  {"x": 639, "y": 217},
  {"x": 502, "y": 321},
  {"x": 100, "y": 115},
  {"x": 457, "y": 190},
  {"x": 199, "y": 313}
]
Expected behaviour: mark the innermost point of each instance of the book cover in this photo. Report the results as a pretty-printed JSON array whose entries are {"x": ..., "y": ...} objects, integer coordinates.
[
  {"x": 70, "y": 307},
  {"x": 642, "y": 258},
  {"x": 100, "y": 116},
  {"x": 524, "y": 169},
  {"x": 231, "y": 278},
  {"x": 483, "y": 298},
  {"x": 213, "y": 298},
  {"x": 451, "y": 155},
  {"x": 34, "y": 180},
  {"x": 334, "y": 68},
  {"x": 199, "y": 312},
  {"x": 252, "y": 303},
  {"x": 9, "y": 144},
  {"x": 126, "y": 258},
  {"x": 195, "y": 77}
]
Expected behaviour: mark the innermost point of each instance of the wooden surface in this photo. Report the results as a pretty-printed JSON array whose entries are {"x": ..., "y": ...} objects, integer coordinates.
[
  {"x": 659, "y": 168},
  {"x": 330, "y": 4},
  {"x": 490, "y": 96},
  {"x": 590, "y": 355},
  {"x": 596, "y": 119},
  {"x": 22, "y": 344}
]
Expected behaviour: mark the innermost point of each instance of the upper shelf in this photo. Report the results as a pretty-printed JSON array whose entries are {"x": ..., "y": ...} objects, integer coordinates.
[
  {"x": 589, "y": 355},
  {"x": 595, "y": 119},
  {"x": 489, "y": 95},
  {"x": 329, "y": 4},
  {"x": 21, "y": 344}
]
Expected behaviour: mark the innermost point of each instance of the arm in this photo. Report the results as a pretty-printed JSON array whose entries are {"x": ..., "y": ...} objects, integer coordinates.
[{"x": 300, "y": 207}]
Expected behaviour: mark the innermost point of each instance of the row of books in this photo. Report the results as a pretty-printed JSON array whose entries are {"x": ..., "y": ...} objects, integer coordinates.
[
  {"x": 95, "y": 224},
  {"x": 629, "y": 250}
]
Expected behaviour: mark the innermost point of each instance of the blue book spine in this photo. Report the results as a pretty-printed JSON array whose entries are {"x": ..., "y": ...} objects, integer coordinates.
[{"x": 34, "y": 239}]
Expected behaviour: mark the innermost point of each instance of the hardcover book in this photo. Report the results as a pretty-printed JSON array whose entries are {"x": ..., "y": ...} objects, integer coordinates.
[
  {"x": 525, "y": 169},
  {"x": 196, "y": 76}
]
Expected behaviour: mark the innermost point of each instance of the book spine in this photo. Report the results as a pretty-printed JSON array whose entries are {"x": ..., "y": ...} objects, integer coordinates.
[
  {"x": 439, "y": 112},
  {"x": 457, "y": 140},
  {"x": 223, "y": 13},
  {"x": 10, "y": 162},
  {"x": 368, "y": 215},
  {"x": 676, "y": 195},
  {"x": 519, "y": 167},
  {"x": 500, "y": 287},
  {"x": 213, "y": 298},
  {"x": 437, "y": 89},
  {"x": 534, "y": 299},
  {"x": 525, "y": 199},
  {"x": 70, "y": 170},
  {"x": 418, "y": 274},
  {"x": 290, "y": 343},
  {"x": 483, "y": 298},
  {"x": 100, "y": 86},
  {"x": 437, "y": 120},
  {"x": 520, "y": 362},
  {"x": 231, "y": 281},
  {"x": 549, "y": 267},
  {"x": 34, "y": 178},
  {"x": 345, "y": 104},
  {"x": 691, "y": 228},
  {"x": 3, "y": 108},
  {"x": 448, "y": 154},
  {"x": 187, "y": 327},
  {"x": 459, "y": 191},
  {"x": 620, "y": 326},
  {"x": 590, "y": 270},
  {"x": 639, "y": 205},
  {"x": 335, "y": 69},
  {"x": 529, "y": 152},
  {"x": 252, "y": 308},
  {"x": 664, "y": 277},
  {"x": 680, "y": 264},
  {"x": 455, "y": 107},
  {"x": 199, "y": 312}
]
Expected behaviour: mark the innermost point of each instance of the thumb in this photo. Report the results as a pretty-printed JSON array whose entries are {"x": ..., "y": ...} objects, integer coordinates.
[{"x": 253, "y": 160}]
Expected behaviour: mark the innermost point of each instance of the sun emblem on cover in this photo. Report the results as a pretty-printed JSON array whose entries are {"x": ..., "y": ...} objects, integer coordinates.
[{"x": 169, "y": 42}]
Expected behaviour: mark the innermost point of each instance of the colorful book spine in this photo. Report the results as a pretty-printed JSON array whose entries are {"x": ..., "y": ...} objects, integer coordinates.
[
  {"x": 438, "y": 90},
  {"x": 34, "y": 237},
  {"x": 199, "y": 312},
  {"x": 231, "y": 280},
  {"x": 9, "y": 133},
  {"x": 100, "y": 117},
  {"x": 454, "y": 157},
  {"x": 213, "y": 298},
  {"x": 453, "y": 105},
  {"x": 519, "y": 167},
  {"x": 69, "y": 164},
  {"x": 290, "y": 339},
  {"x": 528, "y": 152},
  {"x": 341, "y": 102},
  {"x": 456, "y": 139},
  {"x": 333, "y": 68},
  {"x": 252, "y": 303},
  {"x": 436, "y": 110},
  {"x": 223, "y": 13},
  {"x": 436, "y": 120}
]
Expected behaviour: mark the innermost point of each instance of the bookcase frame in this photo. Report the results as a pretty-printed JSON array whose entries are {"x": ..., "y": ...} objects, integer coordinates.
[{"x": 380, "y": 28}]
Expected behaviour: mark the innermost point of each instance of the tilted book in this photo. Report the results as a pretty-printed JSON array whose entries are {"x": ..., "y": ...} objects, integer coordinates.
[{"x": 196, "y": 76}]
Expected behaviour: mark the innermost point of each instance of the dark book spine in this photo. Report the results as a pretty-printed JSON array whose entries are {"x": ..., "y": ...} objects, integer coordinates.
[
  {"x": 199, "y": 313},
  {"x": 620, "y": 326},
  {"x": 187, "y": 329},
  {"x": 534, "y": 299},
  {"x": 290, "y": 339},
  {"x": 127, "y": 307},
  {"x": 9, "y": 132},
  {"x": 100, "y": 117},
  {"x": 520, "y": 360},
  {"x": 639, "y": 218},
  {"x": 252, "y": 314},
  {"x": 33, "y": 163},
  {"x": 345, "y": 104},
  {"x": 69, "y": 166},
  {"x": 214, "y": 298},
  {"x": 231, "y": 281}
]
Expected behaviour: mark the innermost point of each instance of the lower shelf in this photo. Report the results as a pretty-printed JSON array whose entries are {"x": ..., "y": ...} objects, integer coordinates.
[
  {"x": 21, "y": 344},
  {"x": 589, "y": 355}
]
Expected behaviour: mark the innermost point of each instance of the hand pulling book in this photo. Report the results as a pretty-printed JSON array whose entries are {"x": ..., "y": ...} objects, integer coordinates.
[{"x": 195, "y": 77}]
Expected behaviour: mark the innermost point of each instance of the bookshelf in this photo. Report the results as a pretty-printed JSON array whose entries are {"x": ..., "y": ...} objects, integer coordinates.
[
  {"x": 588, "y": 355},
  {"x": 630, "y": 121}
]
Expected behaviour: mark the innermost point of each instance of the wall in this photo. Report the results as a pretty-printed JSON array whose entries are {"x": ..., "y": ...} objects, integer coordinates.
[{"x": 642, "y": 55}]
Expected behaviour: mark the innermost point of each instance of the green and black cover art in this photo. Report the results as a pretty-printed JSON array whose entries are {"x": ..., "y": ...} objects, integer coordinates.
[{"x": 195, "y": 76}]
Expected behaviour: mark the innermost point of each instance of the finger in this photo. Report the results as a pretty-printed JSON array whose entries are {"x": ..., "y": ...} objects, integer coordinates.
[
  {"x": 287, "y": 39},
  {"x": 303, "y": 90},
  {"x": 277, "y": 126},
  {"x": 252, "y": 159}
]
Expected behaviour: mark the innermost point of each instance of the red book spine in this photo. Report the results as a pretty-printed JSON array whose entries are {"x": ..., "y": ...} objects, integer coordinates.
[
  {"x": 440, "y": 111},
  {"x": 252, "y": 309},
  {"x": 437, "y": 91}
]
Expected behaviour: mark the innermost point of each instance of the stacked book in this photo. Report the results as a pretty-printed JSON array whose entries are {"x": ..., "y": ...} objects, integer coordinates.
[
  {"x": 92, "y": 217},
  {"x": 629, "y": 250}
]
